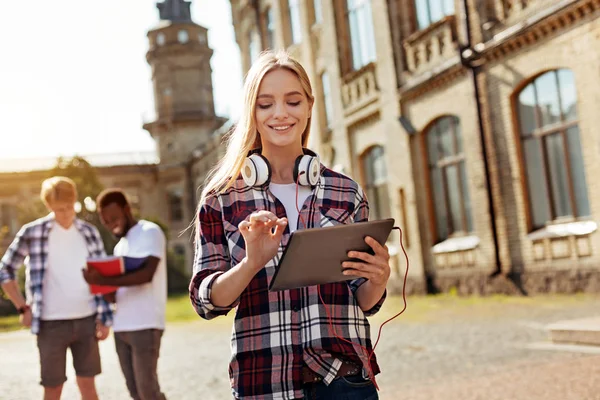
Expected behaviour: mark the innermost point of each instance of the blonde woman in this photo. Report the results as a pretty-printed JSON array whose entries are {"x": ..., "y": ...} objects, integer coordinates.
[{"x": 268, "y": 185}]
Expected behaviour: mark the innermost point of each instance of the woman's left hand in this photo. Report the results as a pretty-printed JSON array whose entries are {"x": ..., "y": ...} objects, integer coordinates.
[{"x": 375, "y": 268}]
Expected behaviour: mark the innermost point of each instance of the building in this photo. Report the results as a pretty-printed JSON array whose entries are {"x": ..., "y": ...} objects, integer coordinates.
[
  {"x": 469, "y": 122},
  {"x": 162, "y": 185}
]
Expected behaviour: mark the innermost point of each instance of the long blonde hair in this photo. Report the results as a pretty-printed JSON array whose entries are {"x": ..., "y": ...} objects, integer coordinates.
[{"x": 244, "y": 137}]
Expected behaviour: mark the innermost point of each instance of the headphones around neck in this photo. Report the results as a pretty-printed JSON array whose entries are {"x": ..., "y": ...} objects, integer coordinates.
[{"x": 256, "y": 170}]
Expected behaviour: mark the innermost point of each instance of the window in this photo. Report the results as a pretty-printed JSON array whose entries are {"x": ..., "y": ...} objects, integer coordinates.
[
  {"x": 160, "y": 39},
  {"x": 183, "y": 36},
  {"x": 376, "y": 183},
  {"x": 318, "y": 11},
  {"x": 553, "y": 160},
  {"x": 327, "y": 98},
  {"x": 296, "y": 31},
  {"x": 360, "y": 21},
  {"x": 270, "y": 29},
  {"x": 448, "y": 179},
  {"x": 253, "y": 45},
  {"x": 175, "y": 201},
  {"x": 430, "y": 11}
]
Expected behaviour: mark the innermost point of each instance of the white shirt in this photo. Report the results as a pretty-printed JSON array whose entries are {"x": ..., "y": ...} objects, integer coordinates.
[
  {"x": 66, "y": 294},
  {"x": 286, "y": 193},
  {"x": 143, "y": 306}
]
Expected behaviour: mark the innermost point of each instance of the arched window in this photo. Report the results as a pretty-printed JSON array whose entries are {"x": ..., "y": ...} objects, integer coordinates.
[
  {"x": 553, "y": 161},
  {"x": 448, "y": 179},
  {"x": 375, "y": 174}
]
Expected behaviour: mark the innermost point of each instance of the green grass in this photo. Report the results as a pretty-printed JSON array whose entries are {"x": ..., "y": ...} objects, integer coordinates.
[
  {"x": 10, "y": 323},
  {"x": 419, "y": 308},
  {"x": 179, "y": 309}
]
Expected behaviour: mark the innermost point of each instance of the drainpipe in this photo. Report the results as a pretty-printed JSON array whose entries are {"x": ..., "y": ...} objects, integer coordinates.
[{"x": 466, "y": 55}]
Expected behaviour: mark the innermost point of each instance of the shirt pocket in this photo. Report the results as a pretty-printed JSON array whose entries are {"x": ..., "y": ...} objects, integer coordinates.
[{"x": 334, "y": 216}]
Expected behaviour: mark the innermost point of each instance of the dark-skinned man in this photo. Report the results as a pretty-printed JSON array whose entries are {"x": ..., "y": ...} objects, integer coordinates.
[{"x": 139, "y": 320}]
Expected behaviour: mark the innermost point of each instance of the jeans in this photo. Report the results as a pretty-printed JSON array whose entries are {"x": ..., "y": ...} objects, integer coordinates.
[
  {"x": 343, "y": 388},
  {"x": 138, "y": 353}
]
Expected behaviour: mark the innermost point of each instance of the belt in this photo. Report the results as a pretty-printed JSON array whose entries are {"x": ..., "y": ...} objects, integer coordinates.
[{"x": 346, "y": 369}]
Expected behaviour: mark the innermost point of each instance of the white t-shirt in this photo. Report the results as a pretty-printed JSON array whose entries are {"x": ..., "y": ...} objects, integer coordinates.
[
  {"x": 143, "y": 306},
  {"x": 66, "y": 294},
  {"x": 286, "y": 193}
]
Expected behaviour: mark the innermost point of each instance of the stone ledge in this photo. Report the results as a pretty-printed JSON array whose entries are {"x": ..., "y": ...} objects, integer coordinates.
[{"x": 578, "y": 331}]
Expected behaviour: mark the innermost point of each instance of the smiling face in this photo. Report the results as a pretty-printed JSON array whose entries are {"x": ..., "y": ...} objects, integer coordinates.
[
  {"x": 117, "y": 219},
  {"x": 282, "y": 110}
]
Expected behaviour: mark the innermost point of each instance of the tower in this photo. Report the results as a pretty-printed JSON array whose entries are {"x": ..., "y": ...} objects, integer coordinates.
[
  {"x": 181, "y": 74},
  {"x": 185, "y": 120}
]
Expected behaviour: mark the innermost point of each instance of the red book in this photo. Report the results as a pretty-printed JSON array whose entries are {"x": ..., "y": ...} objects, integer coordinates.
[{"x": 112, "y": 266}]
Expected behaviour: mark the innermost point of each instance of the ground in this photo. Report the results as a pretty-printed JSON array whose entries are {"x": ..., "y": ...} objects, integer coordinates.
[{"x": 443, "y": 347}]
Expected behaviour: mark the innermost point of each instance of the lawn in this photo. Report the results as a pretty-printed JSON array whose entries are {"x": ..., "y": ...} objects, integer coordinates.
[
  {"x": 420, "y": 308},
  {"x": 179, "y": 309}
]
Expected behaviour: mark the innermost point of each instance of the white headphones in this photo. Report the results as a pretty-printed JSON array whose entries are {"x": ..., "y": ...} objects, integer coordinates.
[{"x": 256, "y": 170}]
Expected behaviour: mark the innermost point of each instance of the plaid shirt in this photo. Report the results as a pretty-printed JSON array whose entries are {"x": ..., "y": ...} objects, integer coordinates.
[
  {"x": 32, "y": 242},
  {"x": 275, "y": 333}
]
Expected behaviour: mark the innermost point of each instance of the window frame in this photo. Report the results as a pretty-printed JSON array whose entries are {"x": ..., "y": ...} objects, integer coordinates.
[
  {"x": 431, "y": 21},
  {"x": 369, "y": 187},
  {"x": 363, "y": 42},
  {"x": 254, "y": 45},
  {"x": 542, "y": 133},
  {"x": 171, "y": 193},
  {"x": 268, "y": 29},
  {"x": 457, "y": 159},
  {"x": 294, "y": 11},
  {"x": 317, "y": 12}
]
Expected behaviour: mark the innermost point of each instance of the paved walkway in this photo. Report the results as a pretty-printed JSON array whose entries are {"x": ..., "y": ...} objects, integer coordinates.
[{"x": 453, "y": 350}]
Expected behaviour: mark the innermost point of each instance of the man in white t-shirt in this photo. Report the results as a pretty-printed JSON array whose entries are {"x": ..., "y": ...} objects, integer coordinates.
[
  {"x": 139, "y": 320},
  {"x": 60, "y": 309}
]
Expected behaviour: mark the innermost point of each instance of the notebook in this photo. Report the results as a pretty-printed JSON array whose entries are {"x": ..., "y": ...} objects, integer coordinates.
[{"x": 113, "y": 266}]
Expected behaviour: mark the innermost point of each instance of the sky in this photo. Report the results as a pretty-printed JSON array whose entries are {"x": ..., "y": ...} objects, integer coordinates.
[{"x": 74, "y": 77}]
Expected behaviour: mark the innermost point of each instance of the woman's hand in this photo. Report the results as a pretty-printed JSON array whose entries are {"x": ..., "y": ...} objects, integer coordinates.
[
  {"x": 375, "y": 268},
  {"x": 262, "y": 233}
]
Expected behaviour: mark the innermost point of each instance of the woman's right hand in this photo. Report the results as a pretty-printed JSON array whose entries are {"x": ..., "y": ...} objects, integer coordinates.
[{"x": 262, "y": 242}]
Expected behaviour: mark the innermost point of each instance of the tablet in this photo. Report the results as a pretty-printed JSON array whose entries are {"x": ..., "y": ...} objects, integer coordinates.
[{"x": 315, "y": 256}]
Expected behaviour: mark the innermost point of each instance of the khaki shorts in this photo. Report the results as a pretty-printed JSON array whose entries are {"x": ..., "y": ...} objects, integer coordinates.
[{"x": 53, "y": 340}]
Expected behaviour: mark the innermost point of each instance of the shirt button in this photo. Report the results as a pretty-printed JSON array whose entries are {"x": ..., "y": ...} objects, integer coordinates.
[{"x": 296, "y": 308}]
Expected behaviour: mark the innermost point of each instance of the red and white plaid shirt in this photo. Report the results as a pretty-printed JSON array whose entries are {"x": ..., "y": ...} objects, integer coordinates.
[{"x": 275, "y": 333}]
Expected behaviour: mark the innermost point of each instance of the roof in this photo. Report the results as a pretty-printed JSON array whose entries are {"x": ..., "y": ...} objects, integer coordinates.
[{"x": 96, "y": 160}]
